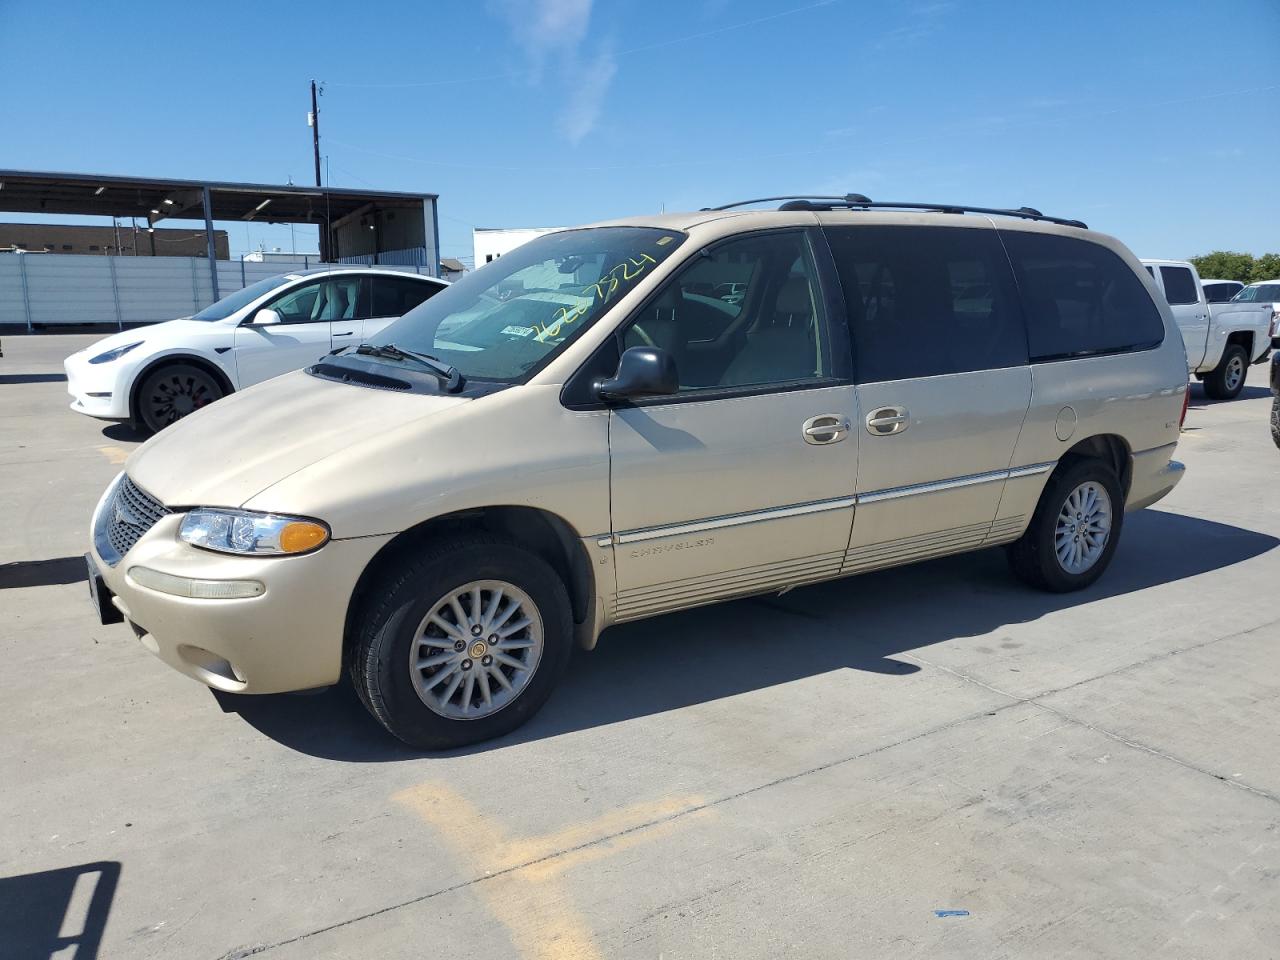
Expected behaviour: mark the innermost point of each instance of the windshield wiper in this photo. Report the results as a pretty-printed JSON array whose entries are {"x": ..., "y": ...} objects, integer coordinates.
[{"x": 449, "y": 375}]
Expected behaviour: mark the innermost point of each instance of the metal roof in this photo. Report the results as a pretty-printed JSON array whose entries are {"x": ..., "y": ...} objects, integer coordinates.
[{"x": 29, "y": 191}]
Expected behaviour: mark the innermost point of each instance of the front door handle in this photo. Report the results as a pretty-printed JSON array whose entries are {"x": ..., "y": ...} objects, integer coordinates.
[
  {"x": 887, "y": 421},
  {"x": 344, "y": 333},
  {"x": 826, "y": 428}
]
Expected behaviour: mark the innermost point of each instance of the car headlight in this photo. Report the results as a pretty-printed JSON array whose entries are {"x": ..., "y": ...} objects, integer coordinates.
[
  {"x": 252, "y": 534},
  {"x": 115, "y": 354}
]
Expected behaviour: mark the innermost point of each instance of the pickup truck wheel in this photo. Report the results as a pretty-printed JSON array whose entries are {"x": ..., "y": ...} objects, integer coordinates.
[
  {"x": 1227, "y": 379},
  {"x": 1074, "y": 530},
  {"x": 1275, "y": 420},
  {"x": 463, "y": 643}
]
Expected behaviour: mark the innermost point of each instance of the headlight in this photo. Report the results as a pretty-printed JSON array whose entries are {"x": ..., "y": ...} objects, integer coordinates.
[
  {"x": 252, "y": 534},
  {"x": 115, "y": 354}
]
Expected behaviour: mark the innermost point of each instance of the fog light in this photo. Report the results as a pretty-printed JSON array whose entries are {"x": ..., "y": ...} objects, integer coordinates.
[{"x": 196, "y": 589}]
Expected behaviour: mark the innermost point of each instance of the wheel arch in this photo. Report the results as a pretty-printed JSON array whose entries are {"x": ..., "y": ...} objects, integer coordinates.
[
  {"x": 1244, "y": 338},
  {"x": 192, "y": 359},
  {"x": 546, "y": 534},
  {"x": 1112, "y": 449}
]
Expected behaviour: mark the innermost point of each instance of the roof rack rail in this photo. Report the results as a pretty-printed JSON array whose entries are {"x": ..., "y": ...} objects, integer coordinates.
[{"x": 856, "y": 201}]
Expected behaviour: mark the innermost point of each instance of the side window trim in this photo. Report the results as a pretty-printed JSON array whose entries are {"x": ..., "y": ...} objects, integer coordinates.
[{"x": 574, "y": 394}]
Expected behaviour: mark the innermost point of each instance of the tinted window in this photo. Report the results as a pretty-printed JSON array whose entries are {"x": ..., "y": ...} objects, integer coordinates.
[
  {"x": 1079, "y": 298},
  {"x": 1179, "y": 285},
  {"x": 925, "y": 301},
  {"x": 396, "y": 296},
  {"x": 1220, "y": 292},
  {"x": 748, "y": 314}
]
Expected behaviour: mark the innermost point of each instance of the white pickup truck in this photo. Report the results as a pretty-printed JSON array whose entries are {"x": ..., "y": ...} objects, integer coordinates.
[{"x": 1222, "y": 339}]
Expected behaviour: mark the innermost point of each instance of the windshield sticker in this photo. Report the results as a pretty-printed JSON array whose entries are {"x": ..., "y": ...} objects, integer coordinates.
[{"x": 519, "y": 331}]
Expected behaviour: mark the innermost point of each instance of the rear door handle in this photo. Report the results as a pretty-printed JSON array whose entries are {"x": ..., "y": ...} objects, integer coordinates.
[
  {"x": 887, "y": 421},
  {"x": 344, "y": 333},
  {"x": 826, "y": 428}
]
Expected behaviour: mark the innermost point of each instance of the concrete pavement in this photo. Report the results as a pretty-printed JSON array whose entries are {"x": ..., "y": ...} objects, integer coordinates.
[{"x": 813, "y": 775}]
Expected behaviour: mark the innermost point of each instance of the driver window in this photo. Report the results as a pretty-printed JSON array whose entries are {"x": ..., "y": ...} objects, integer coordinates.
[
  {"x": 339, "y": 298},
  {"x": 747, "y": 314}
]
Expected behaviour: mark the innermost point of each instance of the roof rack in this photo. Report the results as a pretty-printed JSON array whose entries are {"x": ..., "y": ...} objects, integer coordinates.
[{"x": 856, "y": 201}]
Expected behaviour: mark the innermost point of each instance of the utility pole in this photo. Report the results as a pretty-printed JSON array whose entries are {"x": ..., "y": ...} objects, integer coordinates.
[{"x": 313, "y": 119}]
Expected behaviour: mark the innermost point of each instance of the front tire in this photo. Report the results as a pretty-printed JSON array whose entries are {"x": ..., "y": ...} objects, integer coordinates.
[
  {"x": 1226, "y": 380},
  {"x": 173, "y": 391},
  {"x": 463, "y": 643},
  {"x": 1074, "y": 530}
]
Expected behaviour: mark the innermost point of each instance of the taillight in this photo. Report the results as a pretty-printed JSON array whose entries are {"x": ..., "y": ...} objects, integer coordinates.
[{"x": 1186, "y": 402}]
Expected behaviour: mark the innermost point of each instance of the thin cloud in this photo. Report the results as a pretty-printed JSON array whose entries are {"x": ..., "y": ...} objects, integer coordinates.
[
  {"x": 551, "y": 35},
  {"x": 587, "y": 98}
]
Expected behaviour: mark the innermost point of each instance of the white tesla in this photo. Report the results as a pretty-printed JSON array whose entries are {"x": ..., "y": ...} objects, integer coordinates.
[{"x": 154, "y": 375}]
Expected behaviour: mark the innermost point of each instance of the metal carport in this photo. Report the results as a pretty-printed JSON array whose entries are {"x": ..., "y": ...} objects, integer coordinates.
[{"x": 356, "y": 226}]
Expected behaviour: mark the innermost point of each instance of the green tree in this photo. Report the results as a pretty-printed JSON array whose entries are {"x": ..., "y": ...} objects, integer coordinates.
[
  {"x": 1225, "y": 265},
  {"x": 1266, "y": 267}
]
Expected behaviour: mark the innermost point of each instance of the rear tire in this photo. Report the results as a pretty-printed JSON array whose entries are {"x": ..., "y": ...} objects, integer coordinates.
[
  {"x": 1275, "y": 420},
  {"x": 427, "y": 654},
  {"x": 1065, "y": 549},
  {"x": 173, "y": 391},
  {"x": 1227, "y": 379}
]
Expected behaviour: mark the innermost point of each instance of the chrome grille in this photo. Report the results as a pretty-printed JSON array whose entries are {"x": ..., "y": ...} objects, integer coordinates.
[{"x": 125, "y": 517}]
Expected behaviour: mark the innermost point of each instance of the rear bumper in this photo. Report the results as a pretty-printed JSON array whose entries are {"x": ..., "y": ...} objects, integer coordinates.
[
  {"x": 97, "y": 390},
  {"x": 1152, "y": 476}
]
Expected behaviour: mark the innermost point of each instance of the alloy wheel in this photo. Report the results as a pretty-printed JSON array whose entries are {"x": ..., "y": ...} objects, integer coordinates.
[
  {"x": 476, "y": 650},
  {"x": 1083, "y": 527}
]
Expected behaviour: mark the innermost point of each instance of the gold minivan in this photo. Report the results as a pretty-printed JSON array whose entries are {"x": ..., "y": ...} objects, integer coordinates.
[{"x": 614, "y": 422}]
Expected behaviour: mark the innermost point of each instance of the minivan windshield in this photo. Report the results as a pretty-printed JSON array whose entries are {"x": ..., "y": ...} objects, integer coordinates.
[
  {"x": 505, "y": 320},
  {"x": 1259, "y": 292},
  {"x": 242, "y": 298}
]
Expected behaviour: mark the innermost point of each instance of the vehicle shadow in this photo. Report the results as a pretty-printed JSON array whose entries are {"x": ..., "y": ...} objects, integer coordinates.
[
  {"x": 122, "y": 432},
  {"x": 859, "y": 623},
  {"x": 42, "y": 914},
  {"x": 1200, "y": 401}
]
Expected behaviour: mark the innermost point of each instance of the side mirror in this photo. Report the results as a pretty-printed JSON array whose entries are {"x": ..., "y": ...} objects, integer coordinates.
[
  {"x": 265, "y": 317},
  {"x": 642, "y": 372}
]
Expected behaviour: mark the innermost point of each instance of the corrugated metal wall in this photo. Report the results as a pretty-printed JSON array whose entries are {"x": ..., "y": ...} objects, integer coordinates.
[{"x": 77, "y": 289}]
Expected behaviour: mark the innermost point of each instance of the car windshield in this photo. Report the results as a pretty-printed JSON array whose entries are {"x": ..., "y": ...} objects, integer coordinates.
[
  {"x": 242, "y": 298},
  {"x": 506, "y": 319},
  {"x": 1259, "y": 292}
]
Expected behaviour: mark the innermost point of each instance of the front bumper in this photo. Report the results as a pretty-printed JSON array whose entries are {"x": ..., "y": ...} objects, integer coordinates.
[
  {"x": 97, "y": 389},
  {"x": 1152, "y": 476},
  {"x": 289, "y": 638}
]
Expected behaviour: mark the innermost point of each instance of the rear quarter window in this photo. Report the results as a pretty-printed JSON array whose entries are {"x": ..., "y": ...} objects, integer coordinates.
[{"x": 1079, "y": 298}]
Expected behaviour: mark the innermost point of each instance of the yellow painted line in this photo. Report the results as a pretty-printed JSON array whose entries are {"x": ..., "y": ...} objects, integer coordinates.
[
  {"x": 525, "y": 893},
  {"x": 114, "y": 454}
]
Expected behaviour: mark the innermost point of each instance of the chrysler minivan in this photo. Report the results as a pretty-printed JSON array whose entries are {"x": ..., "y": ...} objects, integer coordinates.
[{"x": 585, "y": 433}]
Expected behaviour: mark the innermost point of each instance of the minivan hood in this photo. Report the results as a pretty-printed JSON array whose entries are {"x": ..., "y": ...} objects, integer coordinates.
[{"x": 234, "y": 448}]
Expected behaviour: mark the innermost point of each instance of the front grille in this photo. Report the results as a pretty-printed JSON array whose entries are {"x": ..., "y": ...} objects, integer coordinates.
[{"x": 125, "y": 517}]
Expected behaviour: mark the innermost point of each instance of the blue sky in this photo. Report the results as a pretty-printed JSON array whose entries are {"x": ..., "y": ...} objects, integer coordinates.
[{"x": 1159, "y": 123}]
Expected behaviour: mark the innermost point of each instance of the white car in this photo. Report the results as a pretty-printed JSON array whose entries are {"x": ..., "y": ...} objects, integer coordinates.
[
  {"x": 152, "y": 376},
  {"x": 1268, "y": 292}
]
